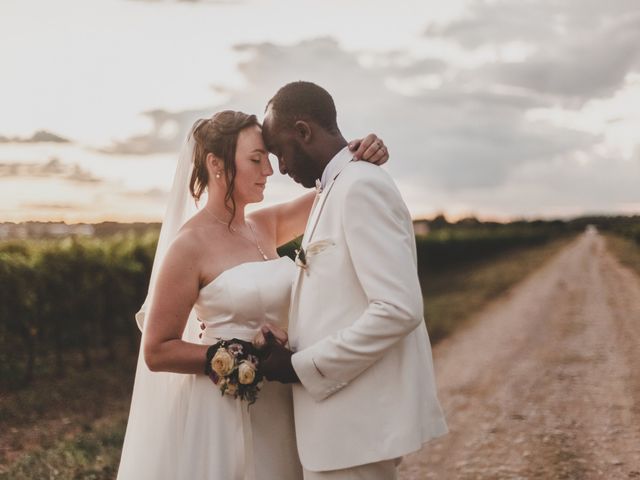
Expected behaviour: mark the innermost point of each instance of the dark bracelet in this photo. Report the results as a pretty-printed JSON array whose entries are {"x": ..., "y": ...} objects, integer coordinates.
[{"x": 211, "y": 351}]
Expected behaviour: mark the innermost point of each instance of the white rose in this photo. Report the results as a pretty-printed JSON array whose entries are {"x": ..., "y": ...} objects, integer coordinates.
[
  {"x": 222, "y": 362},
  {"x": 246, "y": 373}
]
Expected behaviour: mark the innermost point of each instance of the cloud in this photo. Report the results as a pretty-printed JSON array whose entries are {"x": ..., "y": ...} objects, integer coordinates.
[
  {"x": 560, "y": 187},
  {"x": 579, "y": 48},
  {"x": 460, "y": 134},
  {"x": 51, "y": 206},
  {"x": 152, "y": 194},
  {"x": 455, "y": 136},
  {"x": 537, "y": 21},
  {"x": 212, "y": 2},
  {"x": 53, "y": 168},
  {"x": 579, "y": 70},
  {"x": 169, "y": 128},
  {"x": 40, "y": 136},
  {"x": 166, "y": 135}
]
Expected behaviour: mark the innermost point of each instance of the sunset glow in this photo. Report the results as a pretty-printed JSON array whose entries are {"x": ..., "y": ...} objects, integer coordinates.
[{"x": 495, "y": 109}]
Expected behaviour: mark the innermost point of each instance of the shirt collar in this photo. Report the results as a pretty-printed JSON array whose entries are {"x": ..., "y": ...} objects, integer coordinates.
[{"x": 335, "y": 166}]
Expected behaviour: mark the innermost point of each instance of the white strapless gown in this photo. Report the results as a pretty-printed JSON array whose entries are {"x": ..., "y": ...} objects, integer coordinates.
[{"x": 222, "y": 438}]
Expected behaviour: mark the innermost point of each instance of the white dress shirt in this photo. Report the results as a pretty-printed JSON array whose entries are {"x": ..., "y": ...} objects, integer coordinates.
[{"x": 340, "y": 159}]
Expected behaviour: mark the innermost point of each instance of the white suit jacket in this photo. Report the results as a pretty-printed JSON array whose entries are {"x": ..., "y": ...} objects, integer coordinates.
[{"x": 363, "y": 355}]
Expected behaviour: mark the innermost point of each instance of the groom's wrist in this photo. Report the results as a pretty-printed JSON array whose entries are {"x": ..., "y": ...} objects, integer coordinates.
[
  {"x": 276, "y": 364},
  {"x": 312, "y": 377},
  {"x": 286, "y": 373},
  {"x": 291, "y": 376}
]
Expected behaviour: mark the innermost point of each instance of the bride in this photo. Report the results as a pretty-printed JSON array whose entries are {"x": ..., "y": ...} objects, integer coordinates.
[{"x": 216, "y": 275}]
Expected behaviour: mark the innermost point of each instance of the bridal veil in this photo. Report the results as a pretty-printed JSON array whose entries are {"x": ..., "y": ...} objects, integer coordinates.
[{"x": 148, "y": 451}]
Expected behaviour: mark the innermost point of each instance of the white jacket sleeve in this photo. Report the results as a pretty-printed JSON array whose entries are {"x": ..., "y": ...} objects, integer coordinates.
[{"x": 381, "y": 243}]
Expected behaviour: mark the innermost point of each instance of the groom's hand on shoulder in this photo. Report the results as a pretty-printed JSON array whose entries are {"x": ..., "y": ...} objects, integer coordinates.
[{"x": 275, "y": 361}]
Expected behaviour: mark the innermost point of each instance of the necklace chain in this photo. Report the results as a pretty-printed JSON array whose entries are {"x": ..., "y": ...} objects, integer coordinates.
[{"x": 234, "y": 230}]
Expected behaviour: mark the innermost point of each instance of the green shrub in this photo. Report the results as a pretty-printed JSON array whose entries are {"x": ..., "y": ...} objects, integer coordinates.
[{"x": 71, "y": 294}]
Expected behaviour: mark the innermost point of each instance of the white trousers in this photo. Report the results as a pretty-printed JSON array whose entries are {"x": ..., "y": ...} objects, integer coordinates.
[{"x": 385, "y": 470}]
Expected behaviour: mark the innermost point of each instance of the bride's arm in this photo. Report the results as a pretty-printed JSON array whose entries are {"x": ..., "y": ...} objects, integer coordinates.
[
  {"x": 176, "y": 291},
  {"x": 288, "y": 220}
]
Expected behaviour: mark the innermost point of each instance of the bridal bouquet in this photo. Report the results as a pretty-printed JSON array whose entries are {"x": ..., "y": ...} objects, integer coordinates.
[{"x": 233, "y": 366}]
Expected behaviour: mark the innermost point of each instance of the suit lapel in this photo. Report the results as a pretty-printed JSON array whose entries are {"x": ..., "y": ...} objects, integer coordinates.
[
  {"x": 318, "y": 204},
  {"x": 314, "y": 217}
]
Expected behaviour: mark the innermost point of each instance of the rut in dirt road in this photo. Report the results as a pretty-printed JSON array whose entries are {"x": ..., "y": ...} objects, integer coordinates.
[{"x": 545, "y": 383}]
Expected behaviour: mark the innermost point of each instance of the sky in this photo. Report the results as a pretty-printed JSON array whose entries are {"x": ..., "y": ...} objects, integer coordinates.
[{"x": 499, "y": 109}]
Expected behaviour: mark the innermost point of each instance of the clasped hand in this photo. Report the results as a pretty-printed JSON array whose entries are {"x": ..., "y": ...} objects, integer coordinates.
[{"x": 275, "y": 357}]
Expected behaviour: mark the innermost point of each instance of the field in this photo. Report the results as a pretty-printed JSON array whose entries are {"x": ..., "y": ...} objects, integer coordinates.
[
  {"x": 66, "y": 384},
  {"x": 626, "y": 249}
]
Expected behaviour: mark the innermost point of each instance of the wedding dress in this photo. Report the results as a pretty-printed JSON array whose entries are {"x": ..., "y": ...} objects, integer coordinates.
[{"x": 215, "y": 437}]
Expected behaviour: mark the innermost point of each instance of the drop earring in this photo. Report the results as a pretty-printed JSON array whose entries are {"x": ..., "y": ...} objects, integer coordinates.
[{"x": 218, "y": 174}]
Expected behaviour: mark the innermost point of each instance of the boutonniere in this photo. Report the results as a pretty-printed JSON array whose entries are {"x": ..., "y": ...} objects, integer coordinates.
[{"x": 301, "y": 258}]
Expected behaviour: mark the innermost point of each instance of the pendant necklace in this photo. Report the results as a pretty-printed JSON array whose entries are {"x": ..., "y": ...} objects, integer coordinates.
[{"x": 234, "y": 230}]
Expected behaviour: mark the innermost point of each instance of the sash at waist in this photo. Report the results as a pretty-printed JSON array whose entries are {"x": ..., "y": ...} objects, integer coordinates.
[{"x": 211, "y": 335}]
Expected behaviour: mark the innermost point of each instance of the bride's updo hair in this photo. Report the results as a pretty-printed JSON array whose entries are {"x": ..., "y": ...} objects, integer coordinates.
[{"x": 218, "y": 135}]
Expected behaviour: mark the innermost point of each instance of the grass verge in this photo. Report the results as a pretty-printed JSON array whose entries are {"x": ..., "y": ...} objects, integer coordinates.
[
  {"x": 452, "y": 296},
  {"x": 65, "y": 414},
  {"x": 92, "y": 454},
  {"x": 626, "y": 250}
]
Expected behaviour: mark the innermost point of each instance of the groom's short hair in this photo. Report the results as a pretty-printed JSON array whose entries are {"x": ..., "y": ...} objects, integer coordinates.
[{"x": 304, "y": 101}]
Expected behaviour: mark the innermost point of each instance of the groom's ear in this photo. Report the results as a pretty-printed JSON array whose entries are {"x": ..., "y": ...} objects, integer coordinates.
[{"x": 303, "y": 131}]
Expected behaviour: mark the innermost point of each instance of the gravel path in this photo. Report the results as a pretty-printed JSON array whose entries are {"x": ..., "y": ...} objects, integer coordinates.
[{"x": 545, "y": 383}]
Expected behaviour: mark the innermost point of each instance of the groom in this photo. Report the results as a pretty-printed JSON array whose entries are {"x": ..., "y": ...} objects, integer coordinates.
[{"x": 364, "y": 391}]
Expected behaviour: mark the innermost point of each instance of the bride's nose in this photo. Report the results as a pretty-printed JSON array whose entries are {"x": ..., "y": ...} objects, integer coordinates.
[{"x": 267, "y": 171}]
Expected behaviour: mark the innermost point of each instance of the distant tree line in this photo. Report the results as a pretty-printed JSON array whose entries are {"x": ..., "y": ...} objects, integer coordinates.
[{"x": 625, "y": 226}]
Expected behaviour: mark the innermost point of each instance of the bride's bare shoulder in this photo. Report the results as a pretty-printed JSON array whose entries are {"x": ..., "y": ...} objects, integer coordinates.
[
  {"x": 264, "y": 220},
  {"x": 192, "y": 240}
]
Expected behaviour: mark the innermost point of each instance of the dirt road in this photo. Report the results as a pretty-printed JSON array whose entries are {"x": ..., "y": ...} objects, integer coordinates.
[{"x": 544, "y": 384}]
